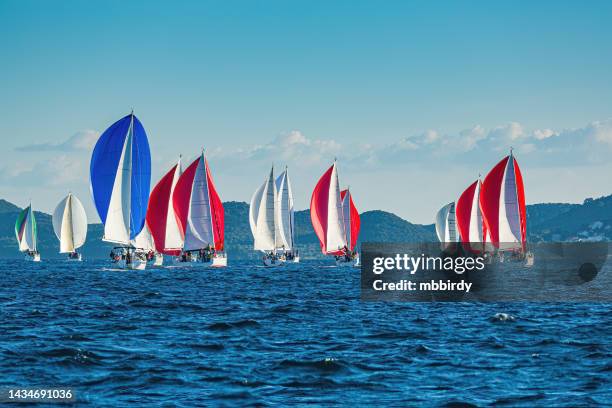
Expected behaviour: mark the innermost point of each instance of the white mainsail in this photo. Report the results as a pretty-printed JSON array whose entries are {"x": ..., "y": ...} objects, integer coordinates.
[
  {"x": 262, "y": 215},
  {"x": 199, "y": 233},
  {"x": 284, "y": 212},
  {"x": 70, "y": 224},
  {"x": 144, "y": 240},
  {"x": 174, "y": 239},
  {"x": 117, "y": 226},
  {"x": 336, "y": 234}
]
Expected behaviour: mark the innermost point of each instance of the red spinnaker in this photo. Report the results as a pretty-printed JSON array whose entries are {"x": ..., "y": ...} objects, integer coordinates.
[
  {"x": 216, "y": 210},
  {"x": 318, "y": 208},
  {"x": 490, "y": 199},
  {"x": 182, "y": 195},
  {"x": 157, "y": 212}
]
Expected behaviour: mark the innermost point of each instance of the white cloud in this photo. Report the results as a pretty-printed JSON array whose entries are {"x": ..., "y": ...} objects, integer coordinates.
[
  {"x": 544, "y": 133},
  {"x": 292, "y": 147},
  {"x": 83, "y": 140}
]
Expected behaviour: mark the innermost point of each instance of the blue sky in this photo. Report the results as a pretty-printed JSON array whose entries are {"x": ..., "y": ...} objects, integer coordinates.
[{"x": 415, "y": 98}]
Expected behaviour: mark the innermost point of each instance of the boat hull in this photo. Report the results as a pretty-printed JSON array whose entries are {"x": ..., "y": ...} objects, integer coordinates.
[
  {"x": 270, "y": 261},
  {"x": 216, "y": 261},
  {"x": 158, "y": 260},
  {"x": 342, "y": 261},
  {"x": 32, "y": 258},
  {"x": 78, "y": 258},
  {"x": 136, "y": 264}
]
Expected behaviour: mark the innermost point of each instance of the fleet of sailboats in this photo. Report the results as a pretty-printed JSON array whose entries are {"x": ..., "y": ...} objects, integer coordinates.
[
  {"x": 183, "y": 216},
  {"x": 335, "y": 219},
  {"x": 490, "y": 215},
  {"x": 70, "y": 226},
  {"x": 272, "y": 220}
]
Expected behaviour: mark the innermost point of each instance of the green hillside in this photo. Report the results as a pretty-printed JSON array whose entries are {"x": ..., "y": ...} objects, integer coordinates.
[{"x": 591, "y": 220}]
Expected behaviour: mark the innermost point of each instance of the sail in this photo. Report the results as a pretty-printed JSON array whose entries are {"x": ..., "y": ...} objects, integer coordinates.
[
  {"x": 198, "y": 208},
  {"x": 468, "y": 217},
  {"x": 352, "y": 223},
  {"x": 217, "y": 211},
  {"x": 284, "y": 212},
  {"x": 120, "y": 177},
  {"x": 70, "y": 224},
  {"x": 446, "y": 228},
  {"x": 326, "y": 213},
  {"x": 144, "y": 240},
  {"x": 263, "y": 214},
  {"x": 503, "y": 205},
  {"x": 161, "y": 218},
  {"x": 26, "y": 230}
]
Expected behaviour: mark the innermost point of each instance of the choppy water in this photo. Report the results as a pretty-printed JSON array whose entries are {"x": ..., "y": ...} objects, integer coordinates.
[{"x": 299, "y": 334}]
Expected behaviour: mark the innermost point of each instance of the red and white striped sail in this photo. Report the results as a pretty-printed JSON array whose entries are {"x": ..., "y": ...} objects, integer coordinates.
[
  {"x": 352, "y": 223},
  {"x": 199, "y": 210},
  {"x": 161, "y": 218},
  {"x": 326, "y": 213},
  {"x": 468, "y": 217},
  {"x": 503, "y": 205}
]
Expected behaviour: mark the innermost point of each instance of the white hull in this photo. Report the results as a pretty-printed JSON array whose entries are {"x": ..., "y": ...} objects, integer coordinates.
[
  {"x": 136, "y": 265},
  {"x": 216, "y": 261},
  {"x": 158, "y": 260},
  {"x": 268, "y": 261},
  {"x": 32, "y": 258},
  {"x": 296, "y": 259},
  {"x": 219, "y": 261}
]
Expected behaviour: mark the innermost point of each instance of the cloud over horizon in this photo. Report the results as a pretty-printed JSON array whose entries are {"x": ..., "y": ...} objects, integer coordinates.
[{"x": 82, "y": 140}]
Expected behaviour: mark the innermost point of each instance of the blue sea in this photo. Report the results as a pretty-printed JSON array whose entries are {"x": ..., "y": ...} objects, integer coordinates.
[{"x": 247, "y": 335}]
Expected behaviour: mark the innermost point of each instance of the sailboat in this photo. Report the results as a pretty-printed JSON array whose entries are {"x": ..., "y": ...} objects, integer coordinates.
[
  {"x": 27, "y": 234},
  {"x": 200, "y": 215},
  {"x": 262, "y": 219},
  {"x": 271, "y": 220},
  {"x": 285, "y": 217},
  {"x": 120, "y": 178},
  {"x": 70, "y": 226},
  {"x": 446, "y": 226},
  {"x": 503, "y": 207},
  {"x": 161, "y": 218},
  {"x": 468, "y": 216},
  {"x": 328, "y": 210}
]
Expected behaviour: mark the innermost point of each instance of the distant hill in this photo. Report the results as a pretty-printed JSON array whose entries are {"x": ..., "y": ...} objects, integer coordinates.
[
  {"x": 591, "y": 220},
  {"x": 377, "y": 226}
]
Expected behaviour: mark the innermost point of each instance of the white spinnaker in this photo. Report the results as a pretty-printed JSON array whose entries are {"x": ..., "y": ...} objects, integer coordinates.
[
  {"x": 446, "y": 228},
  {"x": 174, "y": 238},
  {"x": 117, "y": 226},
  {"x": 70, "y": 224},
  {"x": 199, "y": 231},
  {"x": 144, "y": 240},
  {"x": 284, "y": 212},
  {"x": 509, "y": 218},
  {"x": 254, "y": 208},
  {"x": 265, "y": 230},
  {"x": 476, "y": 217},
  {"x": 28, "y": 241},
  {"x": 336, "y": 235}
]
